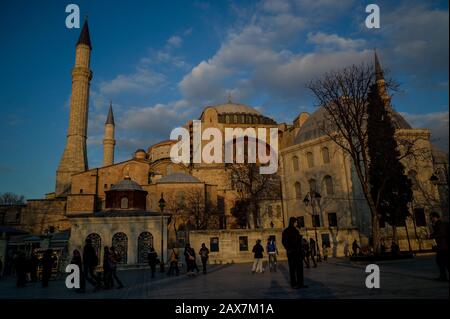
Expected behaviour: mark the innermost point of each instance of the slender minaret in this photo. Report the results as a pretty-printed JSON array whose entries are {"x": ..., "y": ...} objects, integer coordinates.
[
  {"x": 74, "y": 159},
  {"x": 381, "y": 83},
  {"x": 108, "y": 140}
]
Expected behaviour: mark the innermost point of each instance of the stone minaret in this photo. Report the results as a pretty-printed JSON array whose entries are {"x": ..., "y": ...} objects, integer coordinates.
[
  {"x": 381, "y": 83},
  {"x": 108, "y": 140},
  {"x": 74, "y": 159}
]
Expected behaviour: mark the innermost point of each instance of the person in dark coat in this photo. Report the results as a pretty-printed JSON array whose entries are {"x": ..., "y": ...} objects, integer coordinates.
[
  {"x": 90, "y": 262},
  {"x": 20, "y": 265},
  {"x": 107, "y": 272},
  {"x": 355, "y": 248},
  {"x": 173, "y": 264},
  {"x": 76, "y": 260},
  {"x": 152, "y": 260},
  {"x": 189, "y": 255},
  {"x": 34, "y": 263},
  {"x": 292, "y": 242},
  {"x": 441, "y": 236},
  {"x": 313, "y": 251},
  {"x": 204, "y": 255},
  {"x": 47, "y": 264},
  {"x": 114, "y": 259},
  {"x": 258, "y": 255}
]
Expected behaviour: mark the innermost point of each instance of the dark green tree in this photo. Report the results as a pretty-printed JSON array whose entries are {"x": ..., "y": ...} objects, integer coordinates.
[{"x": 390, "y": 187}]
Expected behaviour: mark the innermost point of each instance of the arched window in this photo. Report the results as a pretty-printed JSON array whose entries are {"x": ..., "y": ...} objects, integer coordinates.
[
  {"x": 295, "y": 163},
  {"x": 298, "y": 190},
  {"x": 412, "y": 175},
  {"x": 235, "y": 119},
  {"x": 325, "y": 155},
  {"x": 96, "y": 242},
  {"x": 227, "y": 119},
  {"x": 145, "y": 241},
  {"x": 120, "y": 244},
  {"x": 312, "y": 185},
  {"x": 269, "y": 211},
  {"x": 124, "y": 203},
  {"x": 327, "y": 185},
  {"x": 310, "y": 159}
]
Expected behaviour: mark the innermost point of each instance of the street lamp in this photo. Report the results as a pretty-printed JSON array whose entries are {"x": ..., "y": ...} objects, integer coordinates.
[
  {"x": 312, "y": 196},
  {"x": 162, "y": 204}
]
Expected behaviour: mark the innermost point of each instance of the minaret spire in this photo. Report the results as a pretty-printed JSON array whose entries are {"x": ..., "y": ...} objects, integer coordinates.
[
  {"x": 108, "y": 140},
  {"x": 378, "y": 70},
  {"x": 74, "y": 159}
]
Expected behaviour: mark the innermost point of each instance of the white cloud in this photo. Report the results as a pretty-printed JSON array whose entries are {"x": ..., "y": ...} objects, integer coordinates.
[
  {"x": 335, "y": 41},
  {"x": 175, "y": 41},
  {"x": 141, "y": 81}
]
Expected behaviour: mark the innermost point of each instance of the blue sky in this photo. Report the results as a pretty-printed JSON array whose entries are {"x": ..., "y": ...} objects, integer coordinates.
[{"x": 161, "y": 62}]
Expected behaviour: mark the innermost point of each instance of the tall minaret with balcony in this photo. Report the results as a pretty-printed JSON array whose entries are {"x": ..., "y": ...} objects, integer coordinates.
[
  {"x": 108, "y": 140},
  {"x": 74, "y": 158}
]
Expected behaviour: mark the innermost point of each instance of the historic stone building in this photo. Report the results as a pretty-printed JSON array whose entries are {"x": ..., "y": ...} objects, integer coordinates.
[
  {"x": 119, "y": 203},
  {"x": 311, "y": 161}
]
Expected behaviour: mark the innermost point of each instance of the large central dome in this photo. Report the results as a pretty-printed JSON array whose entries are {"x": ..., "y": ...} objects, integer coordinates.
[
  {"x": 230, "y": 107},
  {"x": 311, "y": 127}
]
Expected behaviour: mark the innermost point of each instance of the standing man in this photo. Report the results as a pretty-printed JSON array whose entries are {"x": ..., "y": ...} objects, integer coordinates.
[
  {"x": 114, "y": 259},
  {"x": 152, "y": 260},
  {"x": 204, "y": 255},
  {"x": 292, "y": 242},
  {"x": 440, "y": 235},
  {"x": 258, "y": 254},
  {"x": 313, "y": 251},
  {"x": 47, "y": 264},
  {"x": 90, "y": 262}
]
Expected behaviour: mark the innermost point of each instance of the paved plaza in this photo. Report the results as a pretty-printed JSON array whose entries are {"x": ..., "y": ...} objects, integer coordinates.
[{"x": 336, "y": 278}]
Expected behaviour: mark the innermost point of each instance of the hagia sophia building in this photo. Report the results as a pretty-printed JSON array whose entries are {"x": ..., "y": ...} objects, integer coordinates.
[{"x": 119, "y": 204}]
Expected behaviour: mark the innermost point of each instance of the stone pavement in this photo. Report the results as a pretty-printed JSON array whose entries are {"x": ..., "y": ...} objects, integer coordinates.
[{"x": 337, "y": 278}]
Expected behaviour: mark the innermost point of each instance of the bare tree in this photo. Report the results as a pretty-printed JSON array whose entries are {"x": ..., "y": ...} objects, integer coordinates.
[
  {"x": 11, "y": 199},
  {"x": 344, "y": 98},
  {"x": 252, "y": 187}
]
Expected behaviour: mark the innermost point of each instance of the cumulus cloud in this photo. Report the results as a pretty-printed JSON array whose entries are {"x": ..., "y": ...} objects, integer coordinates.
[
  {"x": 334, "y": 41},
  {"x": 437, "y": 122}
]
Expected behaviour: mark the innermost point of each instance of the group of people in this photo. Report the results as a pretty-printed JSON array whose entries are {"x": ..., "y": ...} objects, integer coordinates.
[
  {"x": 258, "y": 251},
  {"x": 190, "y": 260},
  {"x": 26, "y": 269},
  {"x": 88, "y": 263}
]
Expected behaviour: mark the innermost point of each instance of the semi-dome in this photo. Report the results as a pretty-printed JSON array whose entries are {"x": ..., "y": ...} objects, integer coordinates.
[
  {"x": 179, "y": 178},
  {"x": 311, "y": 127},
  {"x": 126, "y": 185}
]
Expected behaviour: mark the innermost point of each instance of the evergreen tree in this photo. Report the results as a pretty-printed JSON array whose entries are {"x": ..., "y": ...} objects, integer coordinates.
[{"x": 390, "y": 187}]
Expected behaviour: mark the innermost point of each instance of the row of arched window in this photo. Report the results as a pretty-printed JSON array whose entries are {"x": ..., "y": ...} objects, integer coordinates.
[
  {"x": 327, "y": 187},
  {"x": 310, "y": 159},
  {"x": 120, "y": 243},
  {"x": 244, "y": 119}
]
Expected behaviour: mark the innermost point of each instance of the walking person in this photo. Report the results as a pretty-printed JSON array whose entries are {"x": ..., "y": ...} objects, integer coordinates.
[
  {"x": 173, "y": 263},
  {"x": 34, "y": 263},
  {"x": 152, "y": 260},
  {"x": 114, "y": 259},
  {"x": 355, "y": 248},
  {"x": 189, "y": 255},
  {"x": 204, "y": 255},
  {"x": 76, "y": 260},
  {"x": 313, "y": 251},
  {"x": 272, "y": 251},
  {"x": 107, "y": 273},
  {"x": 441, "y": 236},
  {"x": 90, "y": 262},
  {"x": 20, "y": 265},
  {"x": 258, "y": 255},
  {"x": 306, "y": 252},
  {"x": 325, "y": 252},
  {"x": 47, "y": 265},
  {"x": 292, "y": 242}
]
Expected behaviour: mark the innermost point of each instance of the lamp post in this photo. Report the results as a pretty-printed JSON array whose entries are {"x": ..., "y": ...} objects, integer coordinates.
[
  {"x": 162, "y": 204},
  {"x": 312, "y": 196}
]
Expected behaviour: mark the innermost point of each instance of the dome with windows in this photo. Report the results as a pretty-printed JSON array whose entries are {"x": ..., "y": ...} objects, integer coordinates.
[
  {"x": 311, "y": 127},
  {"x": 126, "y": 185}
]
